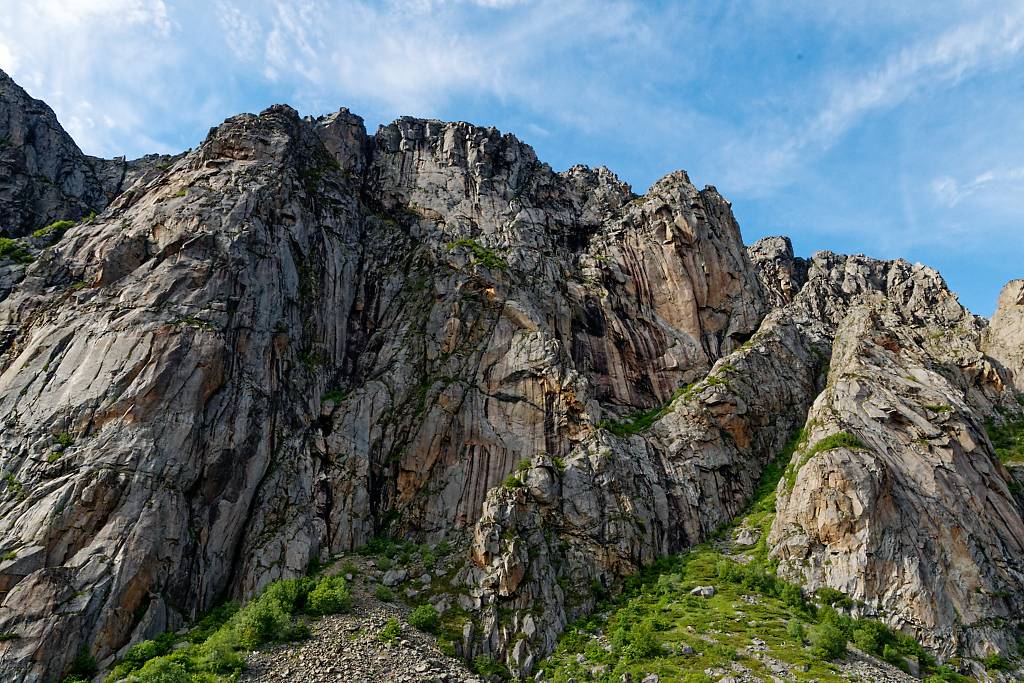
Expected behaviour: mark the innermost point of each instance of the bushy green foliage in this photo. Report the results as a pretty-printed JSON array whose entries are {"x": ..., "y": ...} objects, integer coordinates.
[
  {"x": 383, "y": 593},
  {"x": 13, "y": 250},
  {"x": 486, "y": 666},
  {"x": 392, "y": 629},
  {"x": 833, "y": 598},
  {"x": 1008, "y": 439},
  {"x": 828, "y": 641},
  {"x": 83, "y": 666},
  {"x": 265, "y": 621},
  {"x": 636, "y": 643},
  {"x": 513, "y": 482},
  {"x": 214, "y": 648},
  {"x": 425, "y": 618},
  {"x": 330, "y": 596},
  {"x": 996, "y": 662}
]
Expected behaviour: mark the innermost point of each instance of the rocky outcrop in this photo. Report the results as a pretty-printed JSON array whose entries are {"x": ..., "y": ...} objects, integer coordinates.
[
  {"x": 44, "y": 176},
  {"x": 1005, "y": 339},
  {"x": 895, "y": 496},
  {"x": 781, "y": 273},
  {"x": 297, "y": 336},
  {"x": 568, "y": 531}
]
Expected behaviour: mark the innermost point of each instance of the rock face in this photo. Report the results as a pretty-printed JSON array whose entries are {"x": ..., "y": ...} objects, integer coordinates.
[
  {"x": 44, "y": 177},
  {"x": 1005, "y": 341},
  {"x": 298, "y": 336},
  {"x": 781, "y": 274},
  {"x": 914, "y": 514}
]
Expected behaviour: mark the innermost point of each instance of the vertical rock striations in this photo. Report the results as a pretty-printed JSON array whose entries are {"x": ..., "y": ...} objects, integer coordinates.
[
  {"x": 1005, "y": 339},
  {"x": 298, "y": 336}
]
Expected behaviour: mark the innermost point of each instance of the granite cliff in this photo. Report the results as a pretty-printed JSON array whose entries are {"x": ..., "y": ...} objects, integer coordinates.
[{"x": 298, "y": 337}]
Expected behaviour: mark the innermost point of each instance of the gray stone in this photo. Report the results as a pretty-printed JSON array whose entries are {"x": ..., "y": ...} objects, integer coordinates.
[{"x": 393, "y": 577}]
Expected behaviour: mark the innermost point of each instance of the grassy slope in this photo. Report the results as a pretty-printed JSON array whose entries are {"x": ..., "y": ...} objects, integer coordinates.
[{"x": 648, "y": 628}]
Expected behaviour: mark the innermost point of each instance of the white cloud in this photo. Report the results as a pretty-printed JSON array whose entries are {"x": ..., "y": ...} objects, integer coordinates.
[
  {"x": 90, "y": 60},
  {"x": 950, "y": 192}
]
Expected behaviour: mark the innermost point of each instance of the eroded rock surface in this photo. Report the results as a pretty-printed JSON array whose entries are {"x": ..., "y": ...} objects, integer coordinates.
[
  {"x": 298, "y": 336},
  {"x": 1005, "y": 340},
  {"x": 44, "y": 176},
  {"x": 912, "y": 513}
]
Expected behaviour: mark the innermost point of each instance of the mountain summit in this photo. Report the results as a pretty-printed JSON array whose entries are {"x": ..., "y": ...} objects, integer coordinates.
[{"x": 299, "y": 339}]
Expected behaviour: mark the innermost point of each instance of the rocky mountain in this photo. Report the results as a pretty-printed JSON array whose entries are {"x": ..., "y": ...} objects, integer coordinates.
[
  {"x": 45, "y": 177},
  {"x": 299, "y": 337}
]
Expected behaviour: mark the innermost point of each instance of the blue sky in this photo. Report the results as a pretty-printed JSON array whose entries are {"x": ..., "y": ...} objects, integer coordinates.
[{"x": 892, "y": 129}]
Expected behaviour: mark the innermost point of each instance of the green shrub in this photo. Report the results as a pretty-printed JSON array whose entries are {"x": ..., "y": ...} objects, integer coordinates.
[
  {"x": 291, "y": 594},
  {"x": 833, "y": 598},
  {"x": 1007, "y": 439},
  {"x": 486, "y": 666},
  {"x": 13, "y": 250},
  {"x": 219, "y": 654},
  {"x": 513, "y": 482},
  {"x": 384, "y": 594},
  {"x": 996, "y": 662},
  {"x": 425, "y": 618},
  {"x": 795, "y": 629},
  {"x": 392, "y": 629},
  {"x": 265, "y": 621},
  {"x": 870, "y": 636},
  {"x": 827, "y": 641},
  {"x": 330, "y": 596},
  {"x": 335, "y": 395},
  {"x": 163, "y": 670},
  {"x": 480, "y": 254},
  {"x": 638, "y": 642},
  {"x": 8, "y": 635}
]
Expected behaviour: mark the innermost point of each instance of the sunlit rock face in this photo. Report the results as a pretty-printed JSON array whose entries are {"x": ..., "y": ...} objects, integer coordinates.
[{"x": 299, "y": 335}]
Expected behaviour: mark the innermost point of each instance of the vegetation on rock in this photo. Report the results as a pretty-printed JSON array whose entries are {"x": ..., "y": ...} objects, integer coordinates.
[
  {"x": 754, "y": 622},
  {"x": 213, "y": 650}
]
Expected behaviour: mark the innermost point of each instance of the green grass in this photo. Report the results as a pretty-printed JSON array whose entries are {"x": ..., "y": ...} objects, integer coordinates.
[
  {"x": 655, "y": 621},
  {"x": 641, "y": 421},
  {"x": 1008, "y": 439},
  {"x": 54, "y": 231},
  {"x": 214, "y": 650},
  {"x": 480, "y": 254},
  {"x": 13, "y": 250},
  {"x": 8, "y": 635}
]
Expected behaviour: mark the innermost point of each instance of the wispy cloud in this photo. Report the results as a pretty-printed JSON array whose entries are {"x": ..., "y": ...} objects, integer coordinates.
[
  {"x": 950, "y": 191},
  {"x": 937, "y": 62}
]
